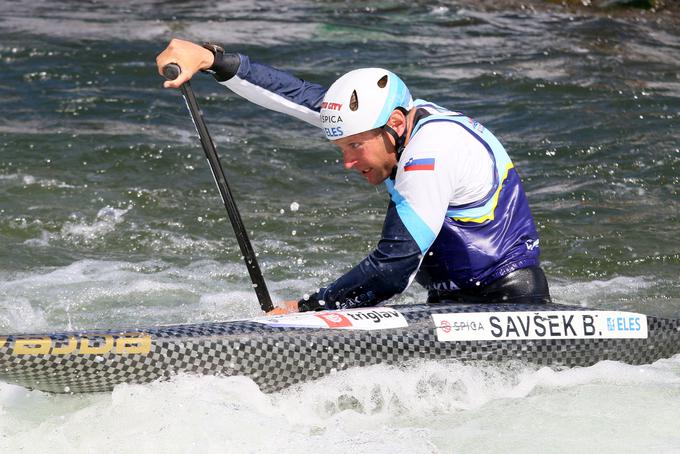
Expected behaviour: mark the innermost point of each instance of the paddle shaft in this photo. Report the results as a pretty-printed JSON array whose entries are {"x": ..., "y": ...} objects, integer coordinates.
[{"x": 171, "y": 72}]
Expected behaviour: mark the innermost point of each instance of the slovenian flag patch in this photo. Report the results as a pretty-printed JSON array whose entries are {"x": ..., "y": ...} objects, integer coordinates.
[{"x": 419, "y": 164}]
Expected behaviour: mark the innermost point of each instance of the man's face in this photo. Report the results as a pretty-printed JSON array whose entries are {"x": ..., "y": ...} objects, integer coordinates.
[{"x": 369, "y": 153}]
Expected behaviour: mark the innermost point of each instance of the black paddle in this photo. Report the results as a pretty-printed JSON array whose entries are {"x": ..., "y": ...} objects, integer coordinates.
[{"x": 171, "y": 72}]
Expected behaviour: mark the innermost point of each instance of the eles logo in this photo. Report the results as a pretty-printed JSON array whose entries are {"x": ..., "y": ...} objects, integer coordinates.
[
  {"x": 333, "y": 132},
  {"x": 623, "y": 324}
]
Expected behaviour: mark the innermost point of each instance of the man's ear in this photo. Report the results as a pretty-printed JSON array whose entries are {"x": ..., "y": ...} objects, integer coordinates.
[{"x": 397, "y": 121}]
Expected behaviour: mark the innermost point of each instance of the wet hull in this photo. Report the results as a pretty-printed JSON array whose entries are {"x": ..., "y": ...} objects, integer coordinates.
[{"x": 277, "y": 352}]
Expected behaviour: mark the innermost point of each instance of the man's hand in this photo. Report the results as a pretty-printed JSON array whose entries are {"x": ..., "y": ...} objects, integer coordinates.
[
  {"x": 286, "y": 308},
  {"x": 190, "y": 57}
]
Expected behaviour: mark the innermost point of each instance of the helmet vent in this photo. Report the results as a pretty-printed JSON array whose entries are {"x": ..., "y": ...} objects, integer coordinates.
[
  {"x": 383, "y": 81},
  {"x": 354, "y": 101}
]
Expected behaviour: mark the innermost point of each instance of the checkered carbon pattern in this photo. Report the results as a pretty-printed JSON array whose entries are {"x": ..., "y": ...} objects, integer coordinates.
[{"x": 276, "y": 358}]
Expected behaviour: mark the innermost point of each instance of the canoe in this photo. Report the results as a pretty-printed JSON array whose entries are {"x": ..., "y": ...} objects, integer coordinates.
[{"x": 279, "y": 351}]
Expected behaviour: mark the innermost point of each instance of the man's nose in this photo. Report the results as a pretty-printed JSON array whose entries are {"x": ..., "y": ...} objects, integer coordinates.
[{"x": 349, "y": 160}]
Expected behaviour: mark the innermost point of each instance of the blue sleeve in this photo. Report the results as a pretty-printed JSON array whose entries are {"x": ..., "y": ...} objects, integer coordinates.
[
  {"x": 387, "y": 271},
  {"x": 282, "y": 83},
  {"x": 275, "y": 89}
]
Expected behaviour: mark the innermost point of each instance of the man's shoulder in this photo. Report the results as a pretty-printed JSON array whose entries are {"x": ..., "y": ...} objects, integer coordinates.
[
  {"x": 445, "y": 147},
  {"x": 441, "y": 135}
]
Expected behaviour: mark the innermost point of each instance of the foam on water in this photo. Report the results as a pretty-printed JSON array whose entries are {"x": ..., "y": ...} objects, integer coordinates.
[
  {"x": 423, "y": 407},
  {"x": 79, "y": 28},
  {"x": 105, "y": 222},
  {"x": 96, "y": 293},
  {"x": 106, "y": 293},
  {"x": 650, "y": 295},
  {"x": 589, "y": 294},
  {"x": 108, "y": 225},
  {"x": 24, "y": 180},
  {"x": 20, "y": 315},
  {"x": 420, "y": 407},
  {"x": 91, "y": 293}
]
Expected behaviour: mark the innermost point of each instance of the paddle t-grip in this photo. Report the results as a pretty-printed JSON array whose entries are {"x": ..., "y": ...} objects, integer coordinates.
[{"x": 171, "y": 71}]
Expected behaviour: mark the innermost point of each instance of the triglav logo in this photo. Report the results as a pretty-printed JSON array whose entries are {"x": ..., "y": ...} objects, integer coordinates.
[{"x": 359, "y": 319}]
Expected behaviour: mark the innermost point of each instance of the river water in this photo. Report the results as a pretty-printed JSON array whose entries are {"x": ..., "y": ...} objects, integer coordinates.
[{"x": 109, "y": 216}]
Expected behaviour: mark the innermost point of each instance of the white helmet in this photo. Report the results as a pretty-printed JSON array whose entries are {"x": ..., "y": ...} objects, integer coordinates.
[{"x": 362, "y": 100}]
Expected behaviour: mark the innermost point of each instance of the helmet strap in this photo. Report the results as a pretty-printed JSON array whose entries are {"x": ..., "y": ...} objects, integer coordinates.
[{"x": 398, "y": 139}]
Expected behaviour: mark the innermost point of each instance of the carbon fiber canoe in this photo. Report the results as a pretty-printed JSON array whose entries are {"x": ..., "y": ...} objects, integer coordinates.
[{"x": 279, "y": 351}]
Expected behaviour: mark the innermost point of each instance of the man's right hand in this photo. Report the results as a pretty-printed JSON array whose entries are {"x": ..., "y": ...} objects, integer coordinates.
[
  {"x": 287, "y": 307},
  {"x": 190, "y": 57}
]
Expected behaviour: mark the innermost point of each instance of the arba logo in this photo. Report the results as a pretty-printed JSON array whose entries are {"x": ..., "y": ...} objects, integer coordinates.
[
  {"x": 334, "y": 320},
  {"x": 83, "y": 344}
]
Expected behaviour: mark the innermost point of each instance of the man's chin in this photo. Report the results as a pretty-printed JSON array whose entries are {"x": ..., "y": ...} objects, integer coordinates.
[{"x": 375, "y": 181}]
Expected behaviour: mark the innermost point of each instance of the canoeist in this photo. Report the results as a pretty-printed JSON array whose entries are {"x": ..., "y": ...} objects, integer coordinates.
[{"x": 458, "y": 220}]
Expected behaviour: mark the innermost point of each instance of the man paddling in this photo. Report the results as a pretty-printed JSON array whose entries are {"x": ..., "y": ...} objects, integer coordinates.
[{"x": 458, "y": 220}]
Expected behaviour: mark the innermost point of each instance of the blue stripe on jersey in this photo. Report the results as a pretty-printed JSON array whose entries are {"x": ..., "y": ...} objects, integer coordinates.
[
  {"x": 418, "y": 229},
  {"x": 282, "y": 83}
]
